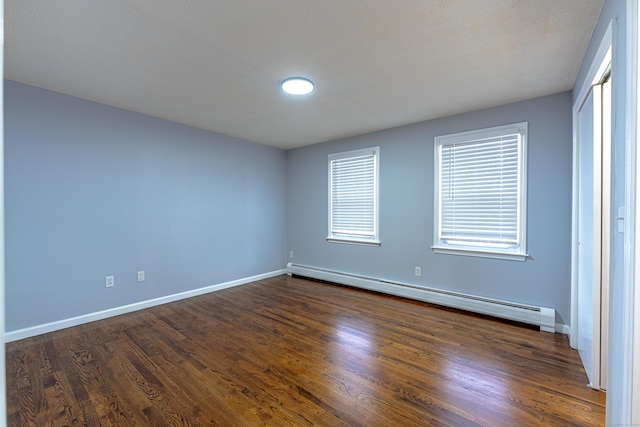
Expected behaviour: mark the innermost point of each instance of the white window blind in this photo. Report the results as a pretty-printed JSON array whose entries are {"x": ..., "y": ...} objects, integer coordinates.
[
  {"x": 480, "y": 195},
  {"x": 353, "y": 194}
]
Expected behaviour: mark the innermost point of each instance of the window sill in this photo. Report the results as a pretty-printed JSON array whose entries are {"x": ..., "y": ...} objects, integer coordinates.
[
  {"x": 354, "y": 241},
  {"x": 480, "y": 253}
]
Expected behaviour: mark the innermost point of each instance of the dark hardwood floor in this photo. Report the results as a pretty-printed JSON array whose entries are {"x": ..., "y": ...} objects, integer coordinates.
[{"x": 291, "y": 352}]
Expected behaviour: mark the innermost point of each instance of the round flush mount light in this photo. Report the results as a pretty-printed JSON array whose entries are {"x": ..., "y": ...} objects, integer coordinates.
[{"x": 297, "y": 86}]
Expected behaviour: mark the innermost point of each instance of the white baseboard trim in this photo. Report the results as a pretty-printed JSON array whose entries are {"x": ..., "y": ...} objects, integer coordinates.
[
  {"x": 116, "y": 311},
  {"x": 563, "y": 329}
]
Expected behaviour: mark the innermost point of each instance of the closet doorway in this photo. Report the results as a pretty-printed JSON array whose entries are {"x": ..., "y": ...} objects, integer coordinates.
[{"x": 592, "y": 224}]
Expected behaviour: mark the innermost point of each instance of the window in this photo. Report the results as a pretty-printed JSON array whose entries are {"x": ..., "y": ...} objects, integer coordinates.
[
  {"x": 480, "y": 194},
  {"x": 353, "y": 197}
]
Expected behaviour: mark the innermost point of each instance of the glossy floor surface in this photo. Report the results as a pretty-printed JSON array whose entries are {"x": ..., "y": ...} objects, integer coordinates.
[{"x": 292, "y": 352}]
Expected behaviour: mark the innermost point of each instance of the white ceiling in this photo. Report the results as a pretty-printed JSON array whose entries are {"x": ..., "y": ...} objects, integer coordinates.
[{"x": 217, "y": 64}]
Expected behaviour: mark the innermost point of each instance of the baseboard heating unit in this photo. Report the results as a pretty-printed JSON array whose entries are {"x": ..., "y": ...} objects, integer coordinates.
[{"x": 544, "y": 317}]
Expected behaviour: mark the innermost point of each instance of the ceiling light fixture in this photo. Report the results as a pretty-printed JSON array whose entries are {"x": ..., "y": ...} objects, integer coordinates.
[{"x": 297, "y": 86}]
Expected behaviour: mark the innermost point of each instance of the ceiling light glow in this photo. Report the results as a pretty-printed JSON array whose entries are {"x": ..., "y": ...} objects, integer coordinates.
[{"x": 297, "y": 86}]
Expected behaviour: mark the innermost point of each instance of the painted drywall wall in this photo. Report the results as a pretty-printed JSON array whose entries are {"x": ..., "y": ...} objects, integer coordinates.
[
  {"x": 93, "y": 191},
  {"x": 614, "y": 10},
  {"x": 406, "y": 209},
  {"x": 3, "y": 393}
]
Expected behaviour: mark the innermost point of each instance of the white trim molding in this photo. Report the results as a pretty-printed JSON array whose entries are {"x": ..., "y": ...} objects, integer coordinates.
[
  {"x": 561, "y": 328},
  {"x": 630, "y": 387},
  {"x": 116, "y": 311}
]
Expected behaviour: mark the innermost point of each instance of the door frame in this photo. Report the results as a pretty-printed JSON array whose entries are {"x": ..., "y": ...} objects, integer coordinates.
[
  {"x": 597, "y": 71},
  {"x": 629, "y": 390}
]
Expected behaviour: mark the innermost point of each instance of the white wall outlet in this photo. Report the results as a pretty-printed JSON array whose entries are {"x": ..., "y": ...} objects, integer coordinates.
[
  {"x": 290, "y": 254},
  {"x": 140, "y": 276},
  {"x": 109, "y": 281},
  {"x": 418, "y": 271}
]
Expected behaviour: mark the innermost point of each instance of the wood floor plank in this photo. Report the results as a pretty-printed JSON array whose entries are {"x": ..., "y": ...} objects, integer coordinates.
[{"x": 292, "y": 352}]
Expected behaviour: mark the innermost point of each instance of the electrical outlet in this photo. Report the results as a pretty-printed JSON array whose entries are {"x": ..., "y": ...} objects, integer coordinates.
[
  {"x": 109, "y": 281},
  {"x": 140, "y": 276},
  {"x": 290, "y": 254},
  {"x": 418, "y": 271}
]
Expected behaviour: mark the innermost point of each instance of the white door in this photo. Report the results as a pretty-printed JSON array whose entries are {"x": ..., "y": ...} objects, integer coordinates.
[
  {"x": 586, "y": 219},
  {"x": 594, "y": 224}
]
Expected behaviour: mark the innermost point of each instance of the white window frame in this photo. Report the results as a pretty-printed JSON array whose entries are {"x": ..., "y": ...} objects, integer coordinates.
[
  {"x": 352, "y": 236},
  {"x": 516, "y": 251}
]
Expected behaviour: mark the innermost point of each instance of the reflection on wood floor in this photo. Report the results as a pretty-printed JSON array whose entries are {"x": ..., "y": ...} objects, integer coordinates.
[{"x": 288, "y": 351}]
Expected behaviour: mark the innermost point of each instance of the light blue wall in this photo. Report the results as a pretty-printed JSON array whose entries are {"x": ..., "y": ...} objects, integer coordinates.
[
  {"x": 93, "y": 191},
  {"x": 406, "y": 209},
  {"x": 616, "y": 10}
]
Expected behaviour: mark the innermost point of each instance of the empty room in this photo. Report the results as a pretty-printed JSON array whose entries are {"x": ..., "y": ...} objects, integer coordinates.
[{"x": 358, "y": 213}]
